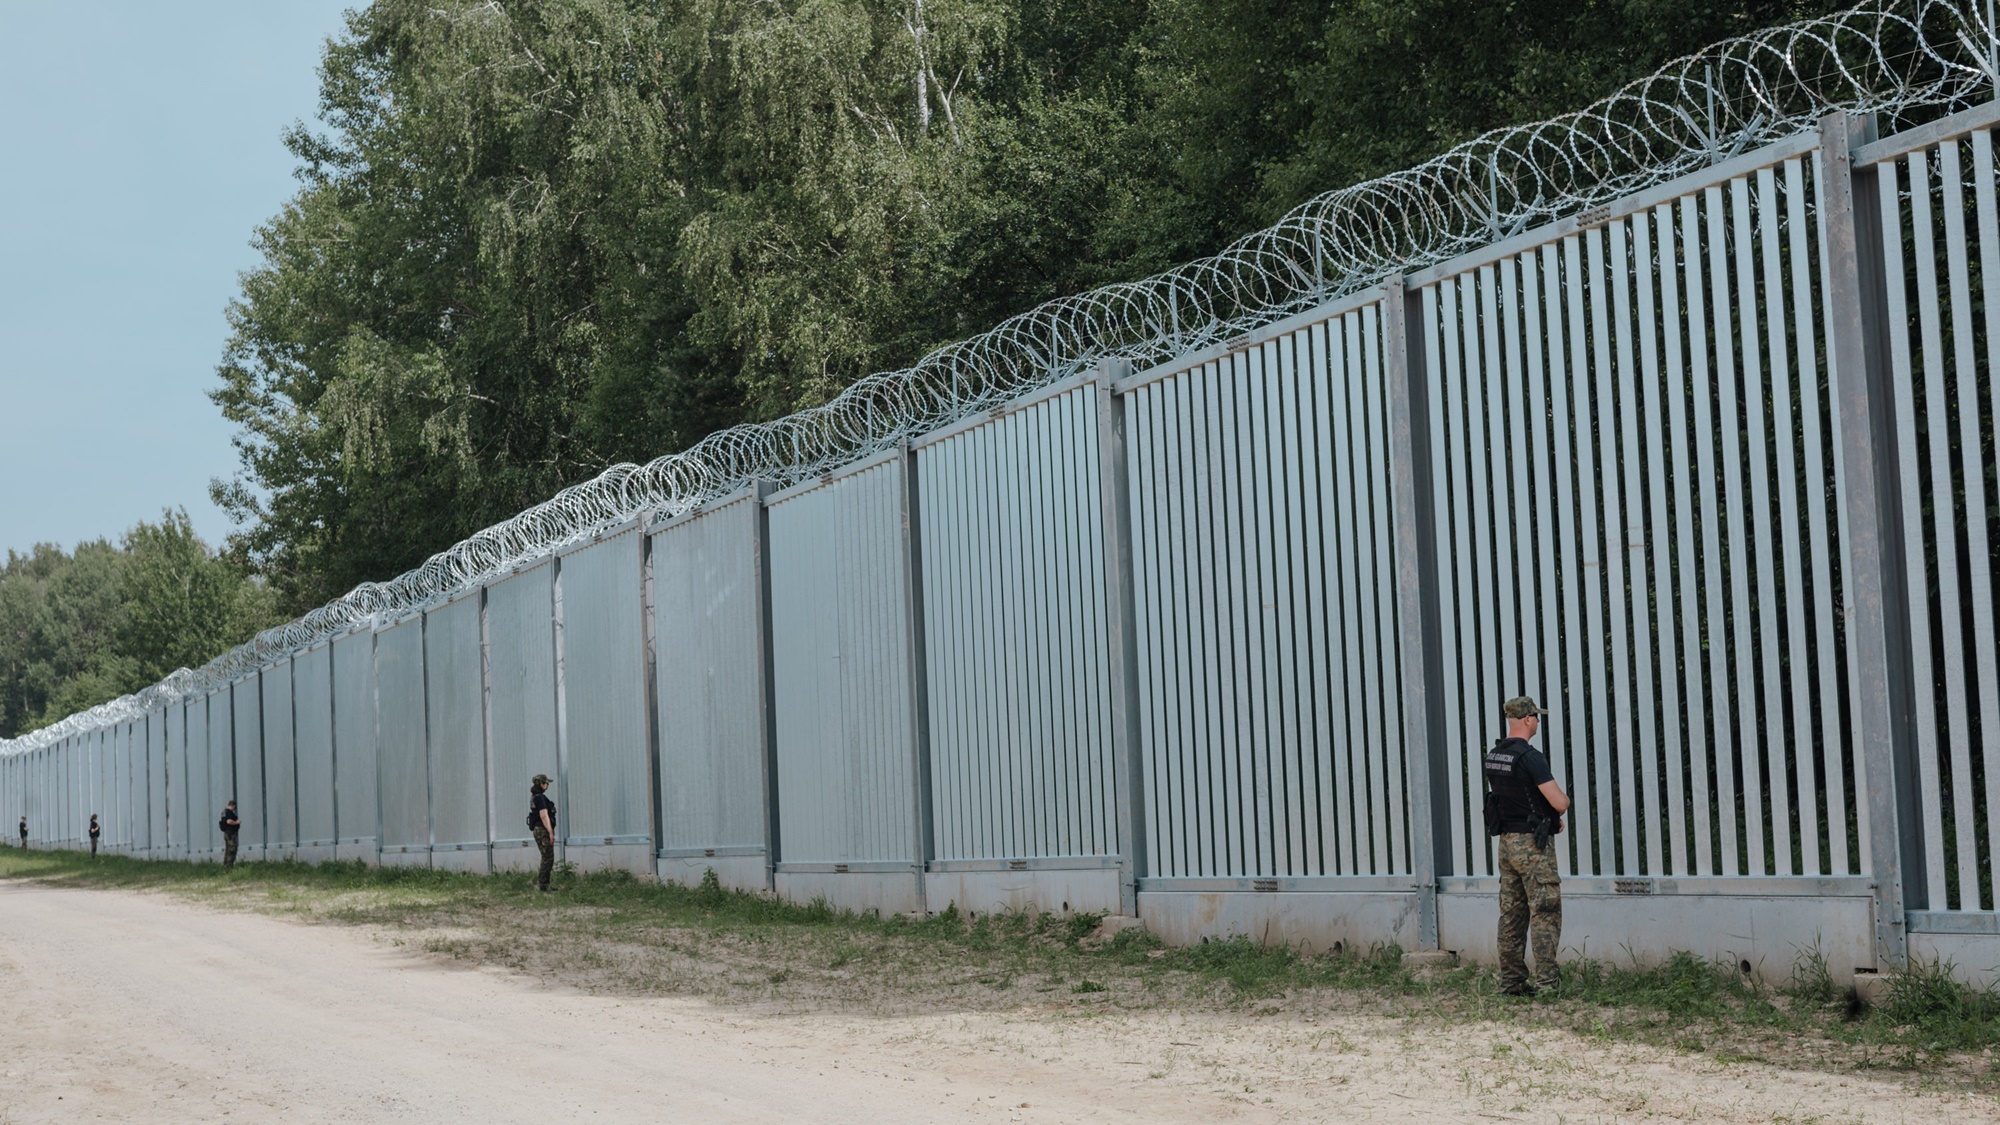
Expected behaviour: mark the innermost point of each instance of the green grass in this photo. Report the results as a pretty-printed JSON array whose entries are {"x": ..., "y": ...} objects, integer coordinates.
[{"x": 611, "y": 932}]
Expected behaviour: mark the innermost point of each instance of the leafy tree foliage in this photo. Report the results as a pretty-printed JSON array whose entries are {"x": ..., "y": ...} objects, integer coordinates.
[
  {"x": 534, "y": 237},
  {"x": 80, "y": 629}
]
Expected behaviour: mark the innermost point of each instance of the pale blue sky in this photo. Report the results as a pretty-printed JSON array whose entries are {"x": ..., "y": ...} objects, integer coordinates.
[{"x": 139, "y": 147}]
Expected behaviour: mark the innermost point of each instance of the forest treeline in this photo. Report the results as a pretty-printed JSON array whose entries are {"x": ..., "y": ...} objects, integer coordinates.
[
  {"x": 84, "y": 627},
  {"x": 537, "y": 237},
  {"x": 533, "y": 238}
]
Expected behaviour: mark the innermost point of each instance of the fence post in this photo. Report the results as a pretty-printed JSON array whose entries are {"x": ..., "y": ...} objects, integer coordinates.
[
  {"x": 767, "y": 695},
  {"x": 1880, "y": 690},
  {"x": 919, "y": 688},
  {"x": 649, "y": 664},
  {"x": 1127, "y": 766},
  {"x": 1416, "y": 595}
]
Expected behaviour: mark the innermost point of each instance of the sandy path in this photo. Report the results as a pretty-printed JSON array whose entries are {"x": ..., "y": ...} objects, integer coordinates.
[{"x": 138, "y": 1007}]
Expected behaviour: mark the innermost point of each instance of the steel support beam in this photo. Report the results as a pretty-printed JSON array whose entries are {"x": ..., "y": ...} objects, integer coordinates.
[
  {"x": 1121, "y": 638},
  {"x": 1879, "y": 689},
  {"x": 1417, "y": 611},
  {"x": 919, "y": 688}
]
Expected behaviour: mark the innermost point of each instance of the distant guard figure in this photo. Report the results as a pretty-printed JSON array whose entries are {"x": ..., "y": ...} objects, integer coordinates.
[
  {"x": 94, "y": 831},
  {"x": 542, "y": 819},
  {"x": 24, "y": 833},
  {"x": 1524, "y": 807},
  {"x": 229, "y": 824}
]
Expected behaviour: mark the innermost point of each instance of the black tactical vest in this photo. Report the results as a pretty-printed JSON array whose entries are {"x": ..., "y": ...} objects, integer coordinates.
[{"x": 1511, "y": 803}]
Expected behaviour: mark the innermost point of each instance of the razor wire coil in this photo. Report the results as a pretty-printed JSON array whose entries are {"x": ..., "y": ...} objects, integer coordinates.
[{"x": 1892, "y": 57}]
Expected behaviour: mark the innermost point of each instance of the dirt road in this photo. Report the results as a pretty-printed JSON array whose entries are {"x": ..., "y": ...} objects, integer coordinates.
[{"x": 124, "y": 1006}]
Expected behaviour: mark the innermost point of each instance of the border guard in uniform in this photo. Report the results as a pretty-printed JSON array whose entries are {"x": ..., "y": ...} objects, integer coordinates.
[{"x": 1524, "y": 807}]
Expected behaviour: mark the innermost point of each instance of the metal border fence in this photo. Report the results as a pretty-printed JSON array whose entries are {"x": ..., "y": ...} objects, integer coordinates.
[{"x": 1196, "y": 598}]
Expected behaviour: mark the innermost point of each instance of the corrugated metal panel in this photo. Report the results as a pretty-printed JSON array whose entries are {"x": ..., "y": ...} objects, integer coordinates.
[
  {"x": 281, "y": 794},
  {"x": 198, "y": 827},
  {"x": 221, "y": 762},
  {"x": 97, "y": 793},
  {"x": 89, "y": 783},
  {"x": 1942, "y": 243},
  {"x": 312, "y": 721},
  {"x": 156, "y": 781},
  {"x": 1271, "y": 701},
  {"x": 841, "y": 667},
  {"x": 457, "y": 722},
  {"x": 404, "y": 767},
  {"x": 1015, "y": 636},
  {"x": 132, "y": 799},
  {"x": 1632, "y": 509},
  {"x": 606, "y": 776},
  {"x": 174, "y": 756},
  {"x": 521, "y": 655},
  {"x": 252, "y": 807},
  {"x": 357, "y": 814},
  {"x": 705, "y": 595}
]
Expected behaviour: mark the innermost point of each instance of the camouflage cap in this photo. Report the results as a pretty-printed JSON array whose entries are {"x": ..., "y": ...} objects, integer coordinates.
[
  {"x": 540, "y": 779},
  {"x": 1520, "y": 707}
]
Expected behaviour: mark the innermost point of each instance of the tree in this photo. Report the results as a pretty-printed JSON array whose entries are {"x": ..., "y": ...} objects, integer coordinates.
[
  {"x": 537, "y": 237},
  {"x": 79, "y": 629}
]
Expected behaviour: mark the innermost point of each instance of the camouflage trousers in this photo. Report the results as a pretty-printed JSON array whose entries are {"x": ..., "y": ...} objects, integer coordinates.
[
  {"x": 548, "y": 845},
  {"x": 228, "y": 852},
  {"x": 1530, "y": 908}
]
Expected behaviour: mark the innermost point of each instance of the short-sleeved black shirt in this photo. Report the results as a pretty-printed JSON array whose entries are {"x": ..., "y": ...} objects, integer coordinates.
[
  {"x": 93, "y": 828},
  {"x": 1534, "y": 766},
  {"x": 536, "y": 804},
  {"x": 229, "y": 829}
]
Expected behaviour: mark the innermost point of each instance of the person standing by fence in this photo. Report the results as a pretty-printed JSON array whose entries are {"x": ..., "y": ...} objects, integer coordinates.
[
  {"x": 542, "y": 819},
  {"x": 24, "y": 833},
  {"x": 95, "y": 831},
  {"x": 1524, "y": 807},
  {"x": 229, "y": 824}
]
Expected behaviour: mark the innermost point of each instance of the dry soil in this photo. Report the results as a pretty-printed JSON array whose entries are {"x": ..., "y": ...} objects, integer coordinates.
[{"x": 127, "y": 1006}]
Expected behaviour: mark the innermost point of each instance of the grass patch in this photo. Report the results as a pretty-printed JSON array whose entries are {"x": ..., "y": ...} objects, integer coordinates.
[{"x": 611, "y": 932}]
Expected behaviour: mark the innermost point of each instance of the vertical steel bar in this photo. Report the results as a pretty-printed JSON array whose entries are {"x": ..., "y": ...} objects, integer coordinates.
[
  {"x": 1818, "y": 476},
  {"x": 1365, "y": 669},
  {"x": 1612, "y": 281},
  {"x": 1605, "y": 687},
  {"x": 1193, "y": 609},
  {"x": 1706, "y": 331},
  {"x": 1593, "y": 792},
  {"x": 1957, "y": 732},
  {"x": 1677, "y": 264},
  {"x": 1543, "y": 675},
  {"x": 1983, "y": 532},
  {"x": 1452, "y": 845},
  {"x": 1653, "y": 257},
  {"x": 1788, "y": 634},
  {"x": 1498, "y": 530},
  {"x": 1979, "y": 650},
  {"x": 1475, "y": 538},
  {"x": 1316, "y": 734},
  {"x": 1259, "y": 582},
  {"x": 1738, "y": 381},
  {"x": 1441, "y": 330},
  {"x": 1296, "y": 747},
  {"x": 1562, "y": 266},
  {"x": 1156, "y": 655},
  {"x": 1639, "y": 387},
  {"x": 1516, "y": 411}
]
